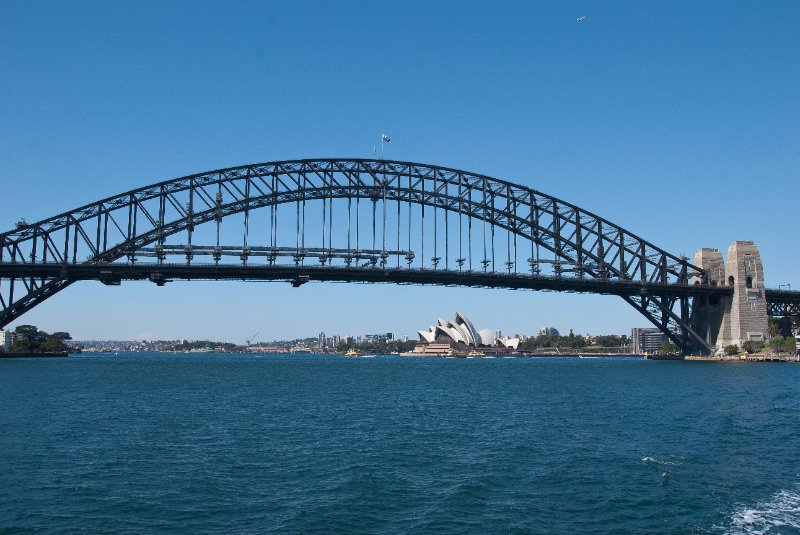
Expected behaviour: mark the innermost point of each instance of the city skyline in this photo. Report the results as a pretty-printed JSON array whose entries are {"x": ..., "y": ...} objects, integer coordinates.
[
  {"x": 637, "y": 113},
  {"x": 356, "y": 335}
]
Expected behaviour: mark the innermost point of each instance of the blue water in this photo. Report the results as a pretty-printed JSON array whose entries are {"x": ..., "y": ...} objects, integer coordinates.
[{"x": 142, "y": 443}]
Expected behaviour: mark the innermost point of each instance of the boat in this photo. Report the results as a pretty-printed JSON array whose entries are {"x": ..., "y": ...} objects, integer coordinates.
[{"x": 351, "y": 353}]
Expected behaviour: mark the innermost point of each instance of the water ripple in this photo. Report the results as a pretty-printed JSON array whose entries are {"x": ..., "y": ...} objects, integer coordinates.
[{"x": 211, "y": 443}]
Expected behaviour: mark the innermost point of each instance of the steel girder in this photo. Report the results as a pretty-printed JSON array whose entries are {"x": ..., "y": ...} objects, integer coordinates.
[
  {"x": 136, "y": 224},
  {"x": 782, "y": 303}
]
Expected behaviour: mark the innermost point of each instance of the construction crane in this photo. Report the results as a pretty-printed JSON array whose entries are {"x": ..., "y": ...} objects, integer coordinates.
[{"x": 250, "y": 340}]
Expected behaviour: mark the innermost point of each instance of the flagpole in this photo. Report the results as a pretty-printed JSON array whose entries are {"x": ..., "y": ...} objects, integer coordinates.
[{"x": 384, "y": 139}]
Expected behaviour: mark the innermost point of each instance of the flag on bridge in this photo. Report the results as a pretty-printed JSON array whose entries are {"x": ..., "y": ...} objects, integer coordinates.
[{"x": 384, "y": 137}]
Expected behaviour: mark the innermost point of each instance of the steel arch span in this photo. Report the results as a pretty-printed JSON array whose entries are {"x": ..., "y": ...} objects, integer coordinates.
[{"x": 353, "y": 220}]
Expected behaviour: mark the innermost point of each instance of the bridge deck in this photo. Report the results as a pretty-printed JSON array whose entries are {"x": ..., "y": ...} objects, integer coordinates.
[
  {"x": 783, "y": 302},
  {"x": 113, "y": 273}
]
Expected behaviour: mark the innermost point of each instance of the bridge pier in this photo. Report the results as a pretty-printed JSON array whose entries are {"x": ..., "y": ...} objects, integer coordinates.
[
  {"x": 742, "y": 317},
  {"x": 708, "y": 310}
]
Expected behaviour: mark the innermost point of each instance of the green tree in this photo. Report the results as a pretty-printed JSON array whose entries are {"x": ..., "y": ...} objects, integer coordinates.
[
  {"x": 668, "y": 348},
  {"x": 20, "y": 345},
  {"x": 773, "y": 327},
  {"x": 781, "y": 344},
  {"x": 752, "y": 346},
  {"x": 29, "y": 338},
  {"x": 732, "y": 350},
  {"x": 61, "y": 335},
  {"x": 53, "y": 345},
  {"x": 611, "y": 340}
]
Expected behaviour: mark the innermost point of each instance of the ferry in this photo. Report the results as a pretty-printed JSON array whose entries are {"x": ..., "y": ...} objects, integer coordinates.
[{"x": 351, "y": 353}]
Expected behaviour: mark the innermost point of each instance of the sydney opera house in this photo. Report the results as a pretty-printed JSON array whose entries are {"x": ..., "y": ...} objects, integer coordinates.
[{"x": 458, "y": 337}]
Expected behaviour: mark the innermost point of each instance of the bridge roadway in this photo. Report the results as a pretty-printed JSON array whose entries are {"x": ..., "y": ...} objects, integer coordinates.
[{"x": 160, "y": 273}]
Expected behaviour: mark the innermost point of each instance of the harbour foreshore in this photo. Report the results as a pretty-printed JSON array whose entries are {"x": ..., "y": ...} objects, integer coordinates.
[{"x": 755, "y": 357}]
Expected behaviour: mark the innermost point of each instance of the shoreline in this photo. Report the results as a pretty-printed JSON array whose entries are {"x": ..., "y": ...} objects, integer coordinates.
[{"x": 755, "y": 357}]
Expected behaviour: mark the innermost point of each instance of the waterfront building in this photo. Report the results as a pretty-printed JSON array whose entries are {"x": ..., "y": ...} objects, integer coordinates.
[
  {"x": 6, "y": 339},
  {"x": 646, "y": 340},
  {"x": 459, "y": 336}
]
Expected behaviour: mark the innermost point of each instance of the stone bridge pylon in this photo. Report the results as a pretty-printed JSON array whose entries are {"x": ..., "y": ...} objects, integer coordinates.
[{"x": 742, "y": 317}]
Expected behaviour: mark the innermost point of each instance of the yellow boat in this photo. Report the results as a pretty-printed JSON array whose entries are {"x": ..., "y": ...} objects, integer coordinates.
[{"x": 351, "y": 353}]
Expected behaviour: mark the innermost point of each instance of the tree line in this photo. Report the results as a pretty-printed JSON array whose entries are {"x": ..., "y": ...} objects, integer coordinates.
[
  {"x": 573, "y": 341},
  {"x": 29, "y": 339}
]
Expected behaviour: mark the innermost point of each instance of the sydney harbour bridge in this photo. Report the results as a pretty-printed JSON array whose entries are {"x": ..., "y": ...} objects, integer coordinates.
[{"x": 361, "y": 220}]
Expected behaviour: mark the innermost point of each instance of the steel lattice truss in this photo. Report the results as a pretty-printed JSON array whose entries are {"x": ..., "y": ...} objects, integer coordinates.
[
  {"x": 783, "y": 303},
  {"x": 352, "y": 220}
]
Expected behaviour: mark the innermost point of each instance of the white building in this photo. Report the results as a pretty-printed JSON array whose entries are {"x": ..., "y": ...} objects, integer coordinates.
[
  {"x": 460, "y": 330},
  {"x": 6, "y": 338}
]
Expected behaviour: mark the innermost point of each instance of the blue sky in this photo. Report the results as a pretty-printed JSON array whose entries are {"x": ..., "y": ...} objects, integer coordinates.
[{"x": 679, "y": 121}]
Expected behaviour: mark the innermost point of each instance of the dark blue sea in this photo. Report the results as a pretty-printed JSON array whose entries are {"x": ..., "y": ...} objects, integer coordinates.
[{"x": 210, "y": 443}]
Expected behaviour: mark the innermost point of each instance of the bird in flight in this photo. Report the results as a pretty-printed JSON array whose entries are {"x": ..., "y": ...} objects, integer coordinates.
[{"x": 583, "y": 17}]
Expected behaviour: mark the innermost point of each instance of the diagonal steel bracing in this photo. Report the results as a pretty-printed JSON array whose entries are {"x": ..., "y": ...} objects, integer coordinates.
[{"x": 440, "y": 225}]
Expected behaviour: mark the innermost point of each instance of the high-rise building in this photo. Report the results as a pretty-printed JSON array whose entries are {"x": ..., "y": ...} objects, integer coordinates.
[
  {"x": 647, "y": 340},
  {"x": 321, "y": 341}
]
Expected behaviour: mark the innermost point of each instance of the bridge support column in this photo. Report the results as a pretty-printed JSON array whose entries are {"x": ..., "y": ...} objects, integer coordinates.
[
  {"x": 744, "y": 316},
  {"x": 707, "y": 311},
  {"x": 732, "y": 320}
]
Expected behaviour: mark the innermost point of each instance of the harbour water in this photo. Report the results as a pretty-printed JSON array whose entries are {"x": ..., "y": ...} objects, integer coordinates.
[{"x": 149, "y": 443}]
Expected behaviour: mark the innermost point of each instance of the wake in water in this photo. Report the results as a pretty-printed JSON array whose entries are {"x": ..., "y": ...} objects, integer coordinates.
[
  {"x": 664, "y": 467},
  {"x": 779, "y": 514},
  {"x": 653, "y": 460}
]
